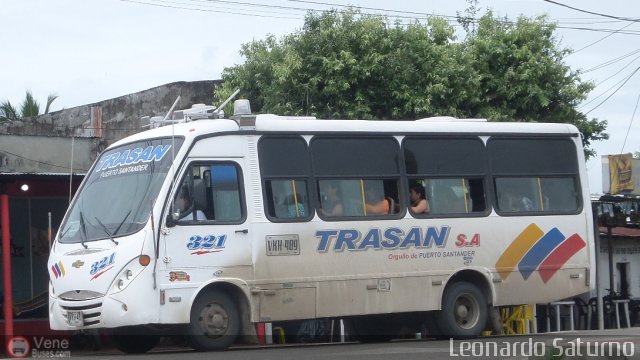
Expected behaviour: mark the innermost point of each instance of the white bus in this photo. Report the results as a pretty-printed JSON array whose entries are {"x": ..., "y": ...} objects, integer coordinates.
[{"x": 208, "y": 227}]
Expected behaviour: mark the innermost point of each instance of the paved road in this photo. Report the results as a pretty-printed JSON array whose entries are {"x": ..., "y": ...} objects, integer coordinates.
[{"x": 573, "y": 344}]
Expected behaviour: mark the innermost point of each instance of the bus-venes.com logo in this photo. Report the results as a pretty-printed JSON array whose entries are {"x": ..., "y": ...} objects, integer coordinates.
[
  {"x": 18, "y": 347},
  {"x": 534, "y": 249}
]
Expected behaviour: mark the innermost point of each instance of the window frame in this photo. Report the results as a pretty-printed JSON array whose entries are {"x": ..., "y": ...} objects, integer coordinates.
[
  {"x": 574, "y": 176},
  {"x": 208, "y": 163},
  {"x": 397, "y": 177},
  {"x": 422, "y": 177},
  {"x": 286, "y": 177}
]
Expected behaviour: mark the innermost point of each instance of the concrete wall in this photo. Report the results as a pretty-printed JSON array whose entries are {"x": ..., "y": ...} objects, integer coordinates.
[
  {"x": 43, "y": 143},
  {"x": 46, "y": 154},
  {"x": 625, "y": 251},
  {"x": 117, "y": 117}
]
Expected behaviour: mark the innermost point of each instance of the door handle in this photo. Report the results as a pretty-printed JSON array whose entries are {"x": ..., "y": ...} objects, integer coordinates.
[{"x": 243, "y": 231}]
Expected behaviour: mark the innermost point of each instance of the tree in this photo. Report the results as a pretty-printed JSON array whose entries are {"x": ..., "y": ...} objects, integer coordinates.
[
  {"x": 29, "y": 108},
  {"x": 352, "y": 65},
  {"x": 523, "y": 78}
]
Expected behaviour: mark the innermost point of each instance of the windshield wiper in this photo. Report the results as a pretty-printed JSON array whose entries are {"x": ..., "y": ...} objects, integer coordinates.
[
  {"x": 104, "y": 227},
  {"x": 84, "y": 231},
  {"x": 122, "y": 222}
]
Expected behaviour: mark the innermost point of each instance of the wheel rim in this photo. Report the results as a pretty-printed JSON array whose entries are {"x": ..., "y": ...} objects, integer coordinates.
[
  {"x": 214, "y": 320},
  {"x": 466, "y": 311}
]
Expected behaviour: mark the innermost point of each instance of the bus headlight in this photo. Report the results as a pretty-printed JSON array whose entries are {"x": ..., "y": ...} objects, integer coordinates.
[{"x": 128, "y": 273}]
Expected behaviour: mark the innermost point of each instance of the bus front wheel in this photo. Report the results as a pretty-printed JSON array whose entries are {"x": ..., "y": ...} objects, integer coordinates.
[
  {"x": 215, "y": 321},
  {"x": 464, "y": 311}
]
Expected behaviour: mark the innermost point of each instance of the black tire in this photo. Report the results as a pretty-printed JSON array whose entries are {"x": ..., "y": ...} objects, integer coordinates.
[
  {"x": 464, "y": 311},
  {"x": 133, "y": 340},
  {"x": 215, "y": 322}
]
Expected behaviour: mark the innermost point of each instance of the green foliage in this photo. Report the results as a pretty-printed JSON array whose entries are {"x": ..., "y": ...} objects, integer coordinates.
[
  {"x": 355, "y": 66},
  {"x": 50, "y": 99},
  {"x": 29, "y": 108},
  {"x": 8, "y": 112}
]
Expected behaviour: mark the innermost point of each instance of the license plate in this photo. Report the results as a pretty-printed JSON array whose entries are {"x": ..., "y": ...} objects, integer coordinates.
[
  {"x": 278, "y": 245},
  {"x": 75, "y": 318}
]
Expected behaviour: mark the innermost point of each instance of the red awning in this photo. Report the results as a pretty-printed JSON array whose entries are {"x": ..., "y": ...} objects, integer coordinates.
[{"x": 627, "y": 232}]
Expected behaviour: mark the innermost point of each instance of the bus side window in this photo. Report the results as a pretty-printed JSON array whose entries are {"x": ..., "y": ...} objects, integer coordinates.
[
  {"x": 366, "y": 171},
  {"x": 453, "y": 171},
  {"x": 287, "y": 199},
  {"x": 190, "y": 200},
  {"x": 225, "y": 192},
  {"x": 547, "y": 182},
  {"x": 284, "y": 166},
  {"x": 456, "y": 195},
  {"x": 518, "y": 194}
]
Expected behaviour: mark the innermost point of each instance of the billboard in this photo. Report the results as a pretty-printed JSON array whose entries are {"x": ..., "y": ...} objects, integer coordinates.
[{"x": 620, "y": 174}]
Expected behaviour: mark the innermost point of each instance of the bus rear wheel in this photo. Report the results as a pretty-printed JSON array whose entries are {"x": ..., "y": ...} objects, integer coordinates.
[
  {"x": 464, "y": 311},
  {"x": 215, "y": 322}
]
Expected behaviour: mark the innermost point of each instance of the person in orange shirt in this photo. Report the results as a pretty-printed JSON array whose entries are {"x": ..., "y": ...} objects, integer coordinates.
[{"x": 375, "y": 203}]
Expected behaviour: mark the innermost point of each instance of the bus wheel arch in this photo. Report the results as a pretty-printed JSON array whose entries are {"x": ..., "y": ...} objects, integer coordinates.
[
  {"x": 465, "y": 305},
  {"x": 480, "y": 280},
  {"x": 219, "y": 314}
]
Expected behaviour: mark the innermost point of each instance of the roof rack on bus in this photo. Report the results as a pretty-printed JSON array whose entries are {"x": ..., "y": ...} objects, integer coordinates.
[
  {"x": 241, "y": 114},
  {"x": 196, "y": 112},
  {"x": 449, "y": 118}
]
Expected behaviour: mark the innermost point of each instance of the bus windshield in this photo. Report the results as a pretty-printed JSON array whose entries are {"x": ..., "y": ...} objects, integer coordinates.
[{"x": 117, "y": 196}]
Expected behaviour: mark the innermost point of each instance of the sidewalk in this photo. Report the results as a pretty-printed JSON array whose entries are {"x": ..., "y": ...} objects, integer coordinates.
[{"x": 569, "y": 341}]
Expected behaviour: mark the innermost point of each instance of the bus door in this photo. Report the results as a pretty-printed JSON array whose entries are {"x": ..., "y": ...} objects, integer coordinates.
[{"x": 206, "y": 226}]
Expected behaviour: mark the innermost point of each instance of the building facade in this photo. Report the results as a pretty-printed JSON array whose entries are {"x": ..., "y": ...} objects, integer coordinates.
[{"x": 44, "y": 159}]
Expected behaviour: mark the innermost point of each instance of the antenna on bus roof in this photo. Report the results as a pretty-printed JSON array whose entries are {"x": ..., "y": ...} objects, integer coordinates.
[
  {"x": 197, "y": 111},
  {"x": 157, "y": 121},
  {"x": 170, "y": 112},
  {"x": 218, "y": 113}
]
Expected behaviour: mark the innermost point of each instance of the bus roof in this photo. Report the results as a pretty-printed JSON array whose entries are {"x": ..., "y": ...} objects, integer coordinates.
[{"x": 273, "y": 123}]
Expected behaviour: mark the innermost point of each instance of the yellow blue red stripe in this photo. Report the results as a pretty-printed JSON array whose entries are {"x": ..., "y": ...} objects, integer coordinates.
[
  {"x": 534, "y": 250},
  {"x": 517, "y": 249}
]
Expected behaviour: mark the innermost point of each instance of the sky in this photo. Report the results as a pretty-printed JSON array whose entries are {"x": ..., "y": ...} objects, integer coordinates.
[{"x": 89, "y": 51}]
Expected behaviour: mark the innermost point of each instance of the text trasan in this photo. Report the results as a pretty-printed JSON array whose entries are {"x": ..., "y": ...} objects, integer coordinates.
[
  {"x": 132, "y": 156},
  {"x": 377, "y": 239}
]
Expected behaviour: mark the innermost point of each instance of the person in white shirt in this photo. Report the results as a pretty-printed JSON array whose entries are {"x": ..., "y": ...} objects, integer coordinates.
[{"x": 182, "y": 205}]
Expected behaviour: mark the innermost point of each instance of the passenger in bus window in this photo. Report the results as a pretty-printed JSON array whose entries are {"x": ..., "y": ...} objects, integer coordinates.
[
  {"x": 330, "y": 200},
  {"x": 182, "y": 206},
  {"x": 295, "y": 206},
  {"x": 419, "y": 203},
  {"x": 518, "y": 202},
  {"x": 375, "y": 203}
]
